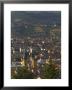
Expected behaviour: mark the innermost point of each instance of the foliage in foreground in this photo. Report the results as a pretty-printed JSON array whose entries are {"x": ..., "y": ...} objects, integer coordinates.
[
  {"x": 50, "y": 72},
  {"x": 23, "y": 73}
]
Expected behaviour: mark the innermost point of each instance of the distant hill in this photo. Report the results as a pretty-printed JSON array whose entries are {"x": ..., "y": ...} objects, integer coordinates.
[{"x": 26, "y": 23}]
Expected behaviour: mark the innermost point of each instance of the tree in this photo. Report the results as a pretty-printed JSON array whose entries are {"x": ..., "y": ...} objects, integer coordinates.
[
  {"x": 50, "y": 71},
  {"x": 23, "y": 73}
]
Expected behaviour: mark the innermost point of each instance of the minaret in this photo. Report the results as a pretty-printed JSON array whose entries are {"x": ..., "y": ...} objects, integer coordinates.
[
  {"x": 31, "y": 59},
  {"x": 20, "y": 50}
]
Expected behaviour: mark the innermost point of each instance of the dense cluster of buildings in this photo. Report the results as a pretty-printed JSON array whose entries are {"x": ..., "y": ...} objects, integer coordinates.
[{"x": 36, "y": 51}]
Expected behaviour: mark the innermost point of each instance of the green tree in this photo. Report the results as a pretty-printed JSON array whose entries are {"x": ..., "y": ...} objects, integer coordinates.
[
  {"x": 23, "y": 73},
  {"x": 50, "y": 72}
]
